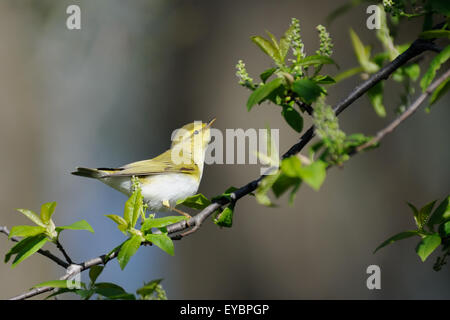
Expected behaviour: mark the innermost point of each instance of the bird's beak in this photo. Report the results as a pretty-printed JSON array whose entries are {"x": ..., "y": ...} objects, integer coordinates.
[{"x": 210, "y": 123}]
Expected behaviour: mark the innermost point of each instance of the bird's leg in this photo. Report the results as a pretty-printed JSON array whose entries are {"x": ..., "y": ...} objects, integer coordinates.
[{"x": 166, "y": 204}]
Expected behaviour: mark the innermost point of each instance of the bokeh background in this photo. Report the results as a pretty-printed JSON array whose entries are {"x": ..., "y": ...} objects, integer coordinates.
[{"x": 113, "y": 92}]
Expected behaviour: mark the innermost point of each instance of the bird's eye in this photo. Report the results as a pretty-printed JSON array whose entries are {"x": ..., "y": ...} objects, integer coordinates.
[{"x": 196, "y": 132}]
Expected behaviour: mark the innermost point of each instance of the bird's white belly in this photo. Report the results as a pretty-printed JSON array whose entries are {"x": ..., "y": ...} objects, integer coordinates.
[{"x": 156, "y": 189}]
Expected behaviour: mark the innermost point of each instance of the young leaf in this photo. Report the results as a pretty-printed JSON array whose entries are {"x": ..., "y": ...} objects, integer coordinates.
[
  {"x": 267, "y": 48},
  {"x": 148, "y": 288},
  {"x": 262, "y": 92},
  {"x": 226, "y": 194},
  {"x": 441, "y": 213},
  {"x": 440, "y": 91},
  {"x": 108, "y": 289},
  {"x": 423, "y": 214},
  {"x": 316, "y": 60},
  {"x": 348, "y": 73},
  {"x": 375, "y": 95},
  {"x": 307, "y": 89},
  {"x": 444, "y": 229},
  {"x": 266, "y": 74},
  {"x": 362, "y": 54},
  {"x": 427, "y": 245},
  {"x": 314, "y": 174},
  {"x": 432, "y": 34},
  {"x": 264, "y": 186},
  {"x": 95, "y": 272},
  {"x": 161, "y": 222},
  {"x": 324, "y": 79},
  {"x": 133, "y": 208},
  {"x": 128, "y": 249},
  {"x": 79, "y": 225},
  {"x": 162, "y": 241},
  {"x": 284, "y": 183},
  {"x": 32, "y": 216},
  {"x": 47, "y": 210},
  {"x": 435, "y": 64},
  {"x": 399, "y": 236},
  {"x": 225, "y": 218},
  {"x": 118, "y": 219},
  {"x": 26, "y": 231},
  {"x": 26, "y": 248},
  {"x": 198, "y": 202},
  {"x": 293, "y": 118}
]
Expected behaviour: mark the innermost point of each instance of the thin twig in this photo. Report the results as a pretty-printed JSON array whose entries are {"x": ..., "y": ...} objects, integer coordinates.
[
  {"x": 408, "y": 112},
  {"x": 61, "y": 248},
  {"x": 46, "y": 253}
]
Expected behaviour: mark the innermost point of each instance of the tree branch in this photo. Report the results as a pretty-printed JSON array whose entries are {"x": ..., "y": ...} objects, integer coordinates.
[
  {"x": 408, "y": 112},
  {"x": 176, "y": 230}
]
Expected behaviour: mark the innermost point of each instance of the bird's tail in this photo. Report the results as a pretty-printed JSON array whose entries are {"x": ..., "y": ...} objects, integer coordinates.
[{"x": 89, "y": 173}]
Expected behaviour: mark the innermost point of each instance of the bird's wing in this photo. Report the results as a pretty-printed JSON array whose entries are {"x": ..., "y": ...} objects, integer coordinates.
[{"x": 159, "y": 165}]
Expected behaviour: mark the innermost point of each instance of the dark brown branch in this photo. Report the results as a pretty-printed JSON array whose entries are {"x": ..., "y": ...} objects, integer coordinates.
[{"x": 61, "y": 248}]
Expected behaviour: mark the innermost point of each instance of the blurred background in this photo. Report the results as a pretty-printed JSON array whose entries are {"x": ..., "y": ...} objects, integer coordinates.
[{"x": 113, "y": 92}]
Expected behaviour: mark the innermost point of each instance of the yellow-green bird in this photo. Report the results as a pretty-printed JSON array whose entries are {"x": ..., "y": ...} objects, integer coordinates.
[{"x": 167, "y": 178}]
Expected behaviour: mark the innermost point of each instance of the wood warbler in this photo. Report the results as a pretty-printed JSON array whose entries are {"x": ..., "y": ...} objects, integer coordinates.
[{"x": 167, "y": 178}]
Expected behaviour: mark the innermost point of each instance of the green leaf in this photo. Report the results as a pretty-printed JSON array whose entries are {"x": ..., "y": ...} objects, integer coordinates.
[
  {"x": 262, "y": 92},
  {"x": 32, "y": 216},
  {"x": 26, "y": 248},
  {"x": 441, "y": 213},
  {"x": 95, "y": 272},
  {"x": 324, "y": 79},
  {"x": 226, "y": 194},
  {"x": 47, "y": 210},
  {"x": 362, "y": 54},
  {"x": 198, "y": 202},
  {"x": 266, "y": 74},
  {"x": 444, "y": 229},
  {"x": 348, "y": 73},
  {"x": 432, "y": 34},
  {"x": 161, "y": 222},
  {"x": 423, "y": 214},
  {"x": 290, "y": 166},
  {"x": 122, "y": 225},
  {"x": 399, "y": 236},
  {"x": 128, "y": 249},
  {"x": 314, "y": 174},
  {"x": 427, "y": 245},
  {"x": 267, "y": 47},
  {"x": 264, "y": 186},
  {"x": 26, "y": 231},
  {"x": 109, "y": 290},
  {"x": 375, "y": 95},
  {"x": 79, "y": 225},
  {"x": 307, "y": 89},
  {"x": 284, "y": 183},
  {"x": 413, "y": 71},
  {"x": 162, "y": 241},
  {"x": 316, "y": 60},
  {"x": 440, "y": 91},
  {"x": 133, "y": 208},
  {"x": 293, "y": 118},
  {"x": 148, "y": 288},
  {"x": 435, "y": 64},
  {"x": 225, "y": 218}
]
